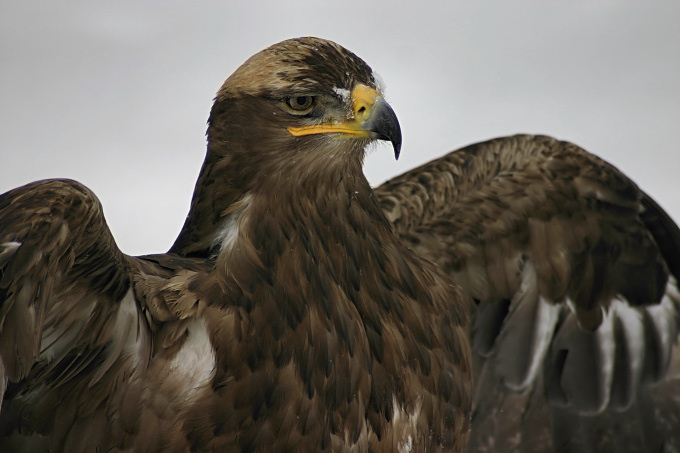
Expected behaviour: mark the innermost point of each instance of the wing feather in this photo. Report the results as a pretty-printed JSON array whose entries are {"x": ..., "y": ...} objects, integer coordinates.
[
  {"x": 71, "y": 328},
  {"x": 58, "y": 257},
  {"x": 572, "y": 274}
]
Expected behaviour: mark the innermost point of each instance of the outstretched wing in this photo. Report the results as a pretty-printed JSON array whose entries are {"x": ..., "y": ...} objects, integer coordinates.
[
  {"x": 70, "y": 327},
  {"x": 571, "y": 272}
]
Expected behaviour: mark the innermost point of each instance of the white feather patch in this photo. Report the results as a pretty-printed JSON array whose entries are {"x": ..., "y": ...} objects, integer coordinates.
[
  {"x": 10, "y": 246},
  {"x": 664, "y": 316},
  {"x": 228, "y": 233},
  {"x": 633, "y": 329},
  {"x": 343, "y": 93},
  {"x": 607, "y": 344},
  {"x": 194, "y": 364},
  {"x": 528, "y": 331},
  {"x": 405, "y": 424}
]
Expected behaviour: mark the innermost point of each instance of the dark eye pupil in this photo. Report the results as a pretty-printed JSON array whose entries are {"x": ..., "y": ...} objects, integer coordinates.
[{"x": 300, "y": 103}]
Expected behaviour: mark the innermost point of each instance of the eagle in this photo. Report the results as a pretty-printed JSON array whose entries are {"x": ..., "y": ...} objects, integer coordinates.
[{"x": 299, "y": 309}]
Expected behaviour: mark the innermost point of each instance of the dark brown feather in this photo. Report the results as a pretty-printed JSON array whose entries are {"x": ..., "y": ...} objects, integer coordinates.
[
  {"x": 544, "y": 238},
  {"x": 286, "y": 317}
]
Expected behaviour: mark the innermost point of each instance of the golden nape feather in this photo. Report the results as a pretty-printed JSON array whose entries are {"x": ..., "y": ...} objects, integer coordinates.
[{"x": 301, "y": 310}]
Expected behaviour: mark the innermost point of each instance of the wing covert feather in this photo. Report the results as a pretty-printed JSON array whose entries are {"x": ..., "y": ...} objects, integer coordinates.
[
  {"x": 57, "y": 257},
  {"x": 571, "y": 272},
  {"x": 69, "y": 322}
]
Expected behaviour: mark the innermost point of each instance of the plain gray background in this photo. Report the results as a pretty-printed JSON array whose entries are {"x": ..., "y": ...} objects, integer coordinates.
[{"x": 116, "y": 94}]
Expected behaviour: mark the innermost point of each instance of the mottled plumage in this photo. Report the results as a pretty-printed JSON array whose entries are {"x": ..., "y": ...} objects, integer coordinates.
[
  {"x": 300, "y": 310},
  {"x": 571, "y": 272},
  {"x": 287, "y": 316}
]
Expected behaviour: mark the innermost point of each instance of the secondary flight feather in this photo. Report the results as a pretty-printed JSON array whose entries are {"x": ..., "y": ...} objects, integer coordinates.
[
  {"x": 571, "y": 272},
  {"x": 301, "y": 310}
]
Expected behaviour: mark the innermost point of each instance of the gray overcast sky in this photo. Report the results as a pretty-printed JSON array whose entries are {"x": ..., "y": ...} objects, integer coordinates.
[{"x": 116, "y": 94}]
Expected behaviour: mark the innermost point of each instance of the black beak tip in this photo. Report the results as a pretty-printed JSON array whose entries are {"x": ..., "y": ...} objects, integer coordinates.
[
  {"x": 396, "y": 144},
  {"x": 386, "y": 126}
]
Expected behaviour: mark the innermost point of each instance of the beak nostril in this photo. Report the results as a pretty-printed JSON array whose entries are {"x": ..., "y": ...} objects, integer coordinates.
[{"x": 361, "y": 113}]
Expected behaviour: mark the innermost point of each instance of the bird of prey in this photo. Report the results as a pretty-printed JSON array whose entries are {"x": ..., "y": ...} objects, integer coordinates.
[
  {"x": 301, "y": 310},
  {"x": 287, "y": 316}
]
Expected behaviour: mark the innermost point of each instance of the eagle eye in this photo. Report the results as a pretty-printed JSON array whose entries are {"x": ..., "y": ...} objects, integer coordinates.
[{"x": 300, "y": 103}]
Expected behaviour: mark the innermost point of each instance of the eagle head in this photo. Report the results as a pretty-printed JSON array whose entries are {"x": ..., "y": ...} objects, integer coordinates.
[
  {"x": 298, "y": 114},
  {"x": 300, "y": 96}
]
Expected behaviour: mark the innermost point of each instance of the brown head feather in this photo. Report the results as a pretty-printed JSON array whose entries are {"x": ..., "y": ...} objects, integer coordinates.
[{"x": 247, "y": 135}]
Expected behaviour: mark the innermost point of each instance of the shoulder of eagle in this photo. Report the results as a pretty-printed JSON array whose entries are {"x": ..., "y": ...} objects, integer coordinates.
[{"x": 301, "y": 310}]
